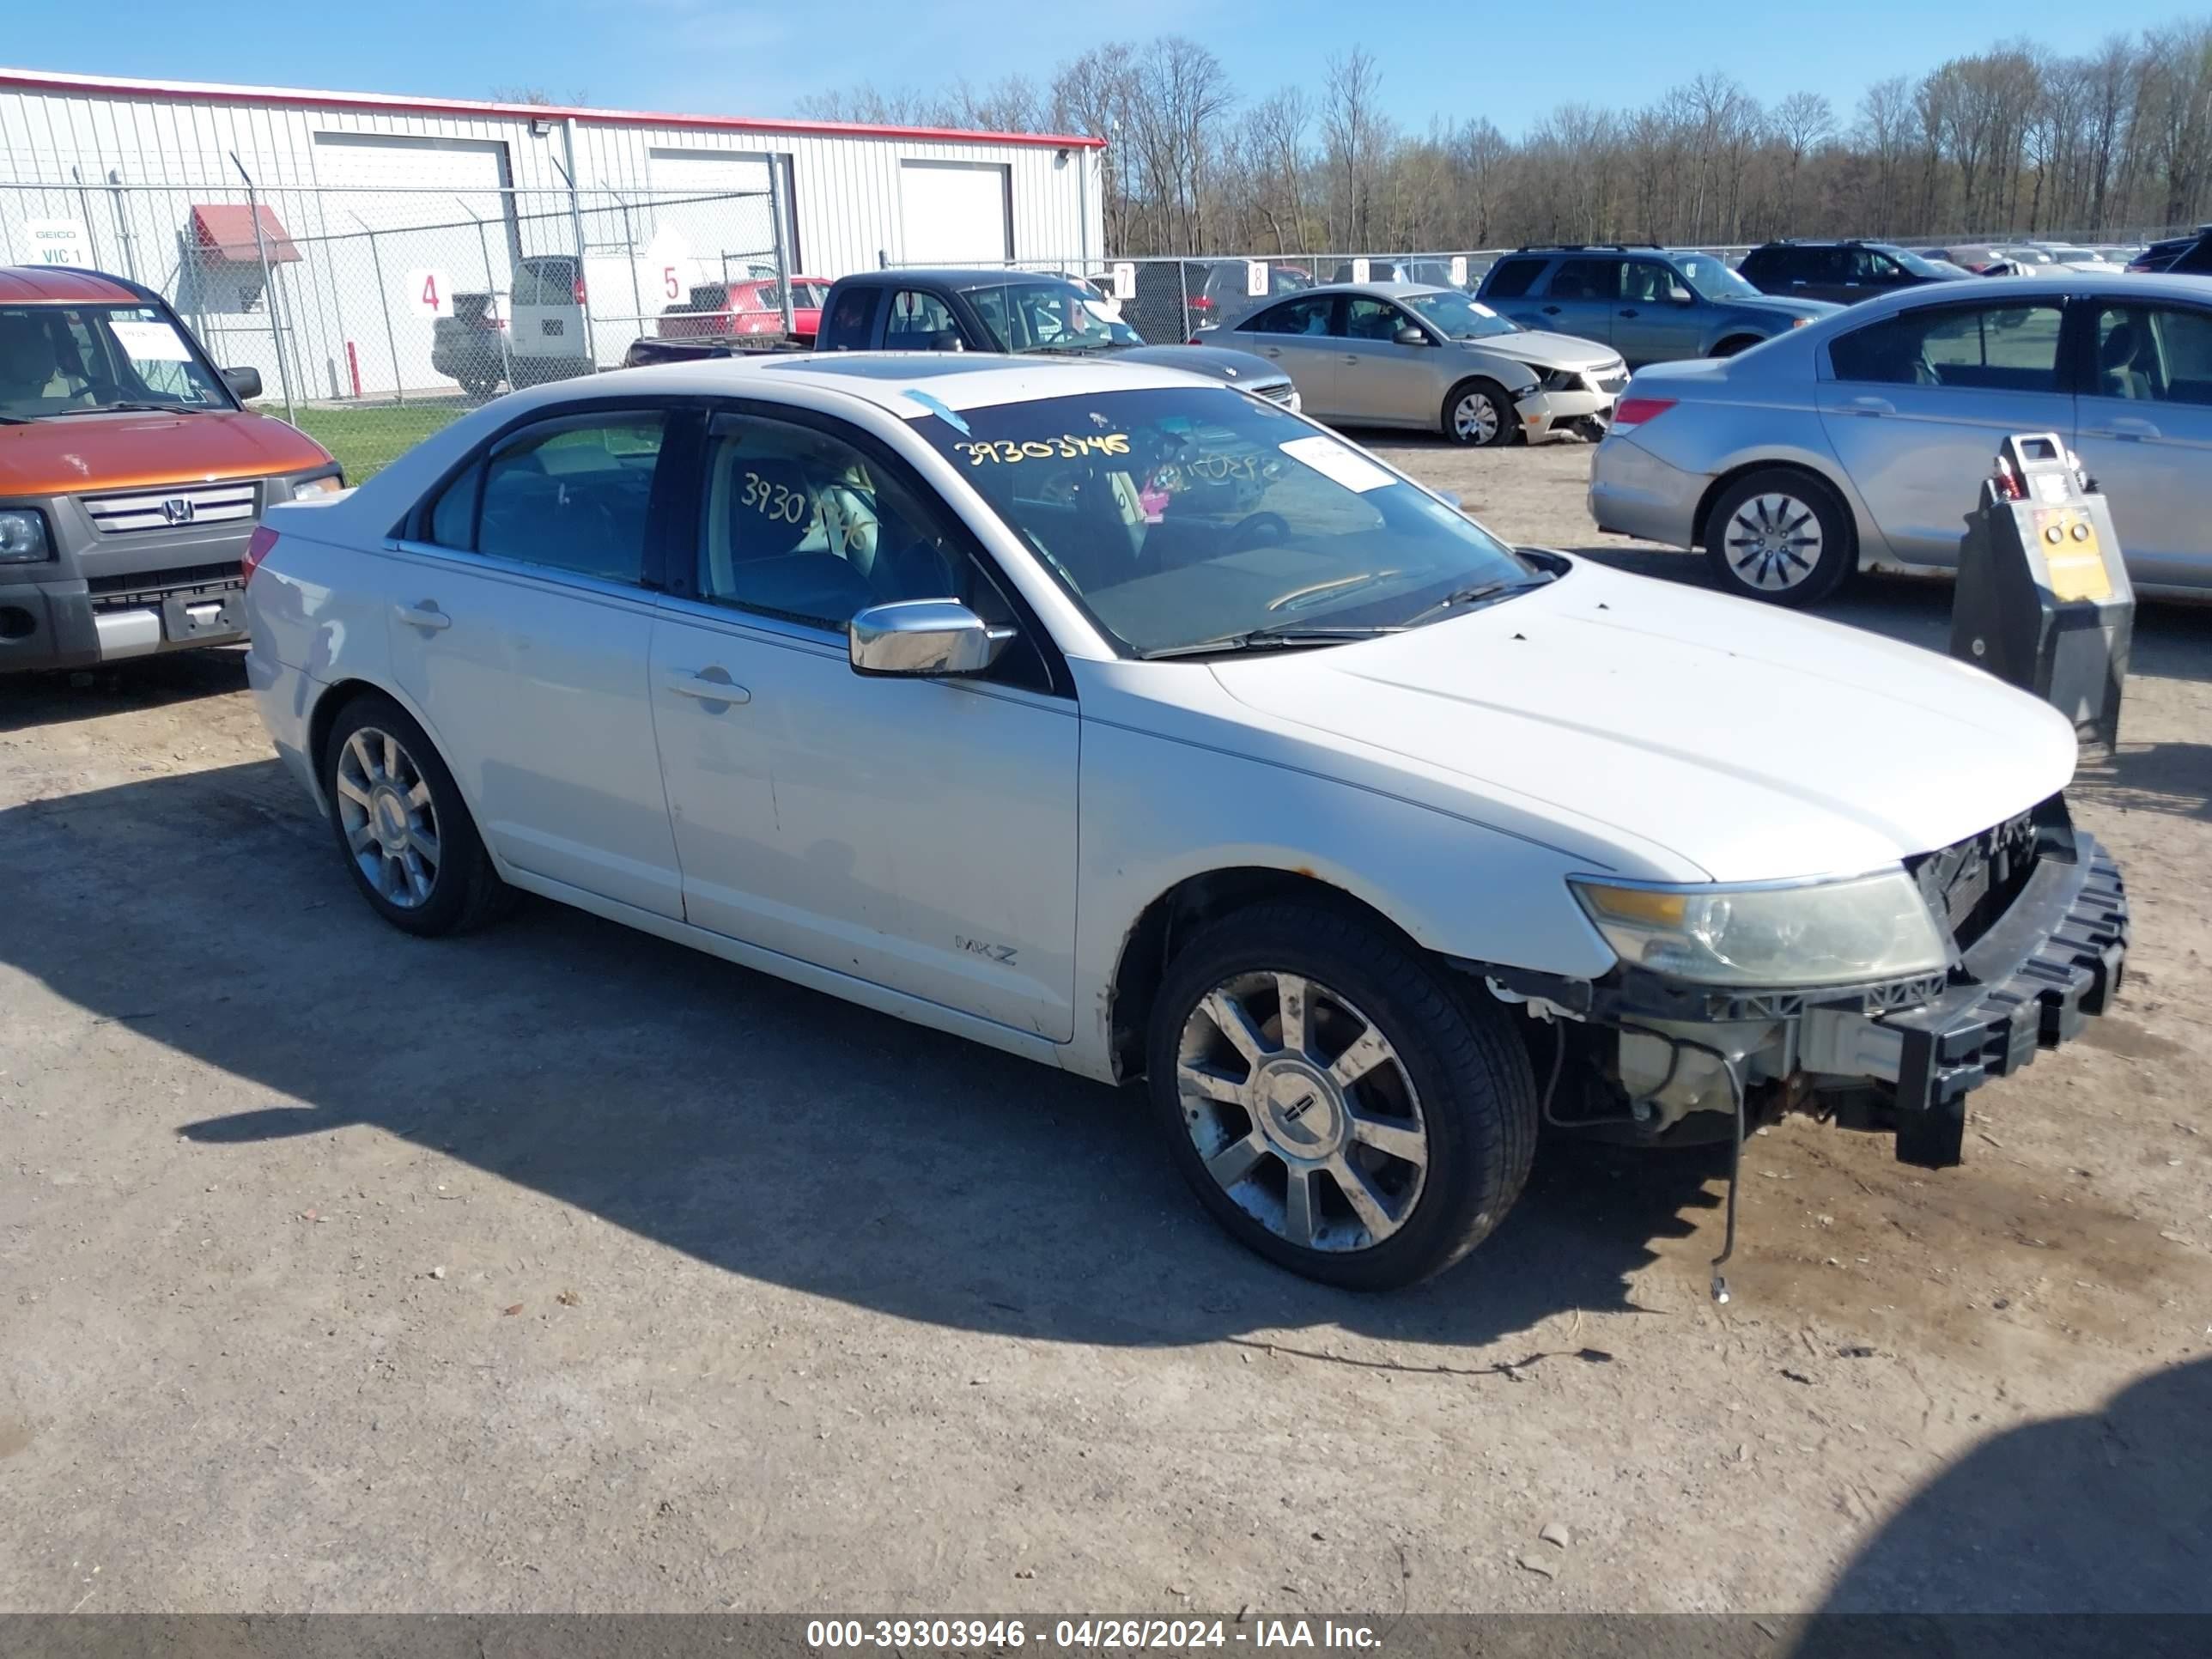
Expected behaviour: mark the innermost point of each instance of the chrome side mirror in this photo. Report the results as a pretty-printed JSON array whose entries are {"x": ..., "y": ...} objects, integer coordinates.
[{"x": 924, "y": 639}]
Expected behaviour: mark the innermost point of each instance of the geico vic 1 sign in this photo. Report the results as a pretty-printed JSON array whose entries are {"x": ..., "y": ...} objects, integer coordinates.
[{"x": 58, "y": 242}]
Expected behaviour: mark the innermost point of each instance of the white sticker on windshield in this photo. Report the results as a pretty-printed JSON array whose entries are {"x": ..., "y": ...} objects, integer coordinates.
[
  {"x": 1333, "y": 460},
  {"x": 1480, "y": 309},
  {"x": 150, "y": 343}
]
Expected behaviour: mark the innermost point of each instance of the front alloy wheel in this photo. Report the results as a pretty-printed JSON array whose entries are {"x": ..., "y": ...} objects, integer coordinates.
[
  {"x": 1302, "y": 1111},
  {"x": 1336, "y": 1101}
]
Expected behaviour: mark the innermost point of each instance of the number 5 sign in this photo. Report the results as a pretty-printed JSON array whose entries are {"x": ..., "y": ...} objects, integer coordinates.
[{"x": 428, "y": 291}]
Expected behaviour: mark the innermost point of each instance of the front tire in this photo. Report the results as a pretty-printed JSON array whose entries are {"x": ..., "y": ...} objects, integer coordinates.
[
  {"x": 1729, "y": 347},
  {"x": 1334, "y": 1101},
  {"x": 1479, "y": 415},
  {"x": 1782, "y": 535},
  {"x": 402, "y": 827}
]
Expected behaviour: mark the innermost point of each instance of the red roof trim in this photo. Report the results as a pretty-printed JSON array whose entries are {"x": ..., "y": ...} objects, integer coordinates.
[{"x": 201, "y": 92}]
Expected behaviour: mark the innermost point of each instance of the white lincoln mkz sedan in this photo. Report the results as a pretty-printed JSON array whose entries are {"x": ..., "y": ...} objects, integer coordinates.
[{"x": 1110, "y": 716}]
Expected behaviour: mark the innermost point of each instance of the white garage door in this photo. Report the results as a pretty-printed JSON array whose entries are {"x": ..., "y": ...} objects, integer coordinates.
[
  {"x": 955, "y": 212},
  {"x": 717, "y": 201},
  {"x": 437, "y": 206}
]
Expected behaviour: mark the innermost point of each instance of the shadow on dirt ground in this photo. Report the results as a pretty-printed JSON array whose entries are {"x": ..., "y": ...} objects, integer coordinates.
[
  {"x": 2102, "y": 1513},
  {"x": 763, "y": 1128},
  {"x": 59, "y": 698}
]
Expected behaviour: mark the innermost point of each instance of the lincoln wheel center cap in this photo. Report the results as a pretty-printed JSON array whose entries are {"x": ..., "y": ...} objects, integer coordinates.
[
  {"x": 388, "y": 815},
  {"x": 1301, "y": 1111}
]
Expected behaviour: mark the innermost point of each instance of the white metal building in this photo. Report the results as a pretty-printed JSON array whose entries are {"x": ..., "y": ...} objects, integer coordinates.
[{"x": 157, "y": 179}]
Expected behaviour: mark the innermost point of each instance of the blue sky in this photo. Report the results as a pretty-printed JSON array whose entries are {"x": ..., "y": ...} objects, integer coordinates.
[{"x": 709, "y": 55}]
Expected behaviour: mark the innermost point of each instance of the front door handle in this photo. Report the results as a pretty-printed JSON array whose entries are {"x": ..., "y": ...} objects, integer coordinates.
[
  {"x": 1871, "y": 406},
  {"x": 2127, "y": 427},
  {"x": 1551, "y": 311},
  {"x": 425, "y": 616},
  {"x": 1351, "y": 356},
  {"x": 1630, "y": 313},
  {"x": 1273, "y": 351},
  {"x": 705, "y": 688}
]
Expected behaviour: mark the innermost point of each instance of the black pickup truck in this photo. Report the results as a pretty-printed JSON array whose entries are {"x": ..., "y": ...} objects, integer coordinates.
[{"x": 998, "y": 311}]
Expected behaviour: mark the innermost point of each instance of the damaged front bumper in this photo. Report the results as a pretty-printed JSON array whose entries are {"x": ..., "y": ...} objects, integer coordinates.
[{"x": 1661, "y": 1059}]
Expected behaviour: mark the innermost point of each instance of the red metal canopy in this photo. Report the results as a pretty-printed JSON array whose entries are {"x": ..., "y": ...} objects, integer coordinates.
[{"x": 226, "y": 230}]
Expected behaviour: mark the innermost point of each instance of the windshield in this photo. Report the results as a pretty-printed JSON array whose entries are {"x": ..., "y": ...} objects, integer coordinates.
[
  {"x": 1184, "y": 515},
  {"x": 1048, "y": 316},
  {"x": 61, "y": 360},
  {"x": 1712, "y": 279},
  {"x": 1459, "y": 317},
  {"x": 1924, "y": 267}
]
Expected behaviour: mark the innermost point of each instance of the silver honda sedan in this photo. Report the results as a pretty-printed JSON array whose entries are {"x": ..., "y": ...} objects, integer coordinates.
[
  {"x": 1414, "y": 354},
  {"x": 1860, "y": 441}
]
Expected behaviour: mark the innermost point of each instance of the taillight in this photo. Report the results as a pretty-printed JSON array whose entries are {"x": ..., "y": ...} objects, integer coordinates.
[
  {"x": 1635, "y": 411},
  {"x": 579, "y": 290},
  {"x": 1201, "y": 302},
  {"x": 257, "y": 549}
]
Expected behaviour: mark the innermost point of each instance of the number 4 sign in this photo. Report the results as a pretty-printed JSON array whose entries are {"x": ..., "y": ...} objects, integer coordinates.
[{"x": 428, "y": 291}]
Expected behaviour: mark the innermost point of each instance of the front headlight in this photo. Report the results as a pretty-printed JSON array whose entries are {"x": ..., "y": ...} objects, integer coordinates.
[
  {"x": 24, "y": 539},
  {"x": 1835, "y": 933},
  {"x": 322, "y": 484},
  {"x": 1555, "y": 380}
]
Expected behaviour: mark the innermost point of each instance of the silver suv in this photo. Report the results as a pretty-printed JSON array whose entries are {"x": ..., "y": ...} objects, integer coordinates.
[{"x": 1652, "y": 305}]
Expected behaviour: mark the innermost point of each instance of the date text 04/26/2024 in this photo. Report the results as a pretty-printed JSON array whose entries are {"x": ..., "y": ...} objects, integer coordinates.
[{"x": 1163, "y": 1634}]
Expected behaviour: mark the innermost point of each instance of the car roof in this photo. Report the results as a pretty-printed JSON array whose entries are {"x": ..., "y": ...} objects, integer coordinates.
[
  {"x": 949, "y": 274},
  {"x": 61, "y": 285},
  {"x": 1386, "y": 290},
  {"x": 2059, "y": 284},
  {"x": 958, "y": 379}
]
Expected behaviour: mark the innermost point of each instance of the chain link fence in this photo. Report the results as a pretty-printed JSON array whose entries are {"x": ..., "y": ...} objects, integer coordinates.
[{"x": 374, "y": 315}]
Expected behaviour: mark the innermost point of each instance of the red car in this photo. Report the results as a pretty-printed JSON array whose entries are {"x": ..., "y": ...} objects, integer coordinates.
[{"x": 752, "y": 307}]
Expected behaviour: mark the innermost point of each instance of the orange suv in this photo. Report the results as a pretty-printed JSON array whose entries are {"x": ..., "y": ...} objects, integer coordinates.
[{"x": 132, "y": 474}]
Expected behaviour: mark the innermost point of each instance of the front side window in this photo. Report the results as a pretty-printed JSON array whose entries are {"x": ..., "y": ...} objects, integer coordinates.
[
  {"x": 1648, "y": 282},
  {"x": 1185, "y": 515},
  {"x": 67, "y": 360},
  {"x": 570, "y": 495},
  {"x": 1997, "y": 346},
  {"x": 1307, "y": 316},
  {"x": 2155, "y": 354},
  {"x": 1047, "y": 316},
  {"x": 1458, "y": 317},
  {"x": 1367, "y": 319},
  {"x": 1708, "y": 276},
  {"x": 850, "y": 322},
  {"x": 800, "y": 525},
  {"x": 921, "y": 322}
]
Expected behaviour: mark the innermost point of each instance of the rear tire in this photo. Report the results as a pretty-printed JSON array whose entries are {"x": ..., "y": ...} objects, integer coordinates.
[
  {"x": 1780, "y": 535},
  {"x": 1370, "y": 1183},
  {"x": 401, "y": 826},
  {"x": 1479, "y": 415}
]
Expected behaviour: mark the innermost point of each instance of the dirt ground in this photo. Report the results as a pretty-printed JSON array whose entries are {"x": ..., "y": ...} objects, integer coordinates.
[{"x": 561, "y": 1268}]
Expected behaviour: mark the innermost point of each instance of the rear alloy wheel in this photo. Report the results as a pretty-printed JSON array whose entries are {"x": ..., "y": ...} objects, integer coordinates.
[
  {"x": 406, "y": 836},
  {"x": 1479, "y": 415},
  {"x": 1779, "y": 536},
  {"x": 1336, "y": 1105}
]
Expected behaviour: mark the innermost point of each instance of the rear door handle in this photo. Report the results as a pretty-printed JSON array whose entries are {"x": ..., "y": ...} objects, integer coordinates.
[
  {"x": 1628, "y": 313},
  {"x": 1551, "y": 311},
  {"x": 705, "y": 690},
  {"x": 1273, "y": 351},
  {"x": 1352, "y": 356},
  {"x": 1871, "y": 406},
  {"x": 426, "y": 616},
  {"x": 2128, "y": 428}
]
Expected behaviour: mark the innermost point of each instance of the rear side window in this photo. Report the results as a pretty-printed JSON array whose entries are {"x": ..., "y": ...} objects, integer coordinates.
[
  {"x": 1511, "y": 278},
  {"x": 1307, "y": 316},
  {"x": 571, "y": 496},
  {"x": 849, "y": 324}
]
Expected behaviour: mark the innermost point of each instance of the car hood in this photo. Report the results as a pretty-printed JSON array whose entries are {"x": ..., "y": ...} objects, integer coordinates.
[
  {"x": 1754, "y": 743},
  {"x": 70, "y": 454},
  {"x": 1776, "y": 304},
  {"x": 1544, "y": 349},
  {"x": 1238, "y": 368}
]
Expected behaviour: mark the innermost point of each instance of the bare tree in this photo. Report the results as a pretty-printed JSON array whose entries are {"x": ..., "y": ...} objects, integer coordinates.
[{"x": 1352, "y": 126}]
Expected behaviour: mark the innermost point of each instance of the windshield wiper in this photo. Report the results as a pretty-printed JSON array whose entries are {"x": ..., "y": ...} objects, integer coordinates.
[
  {"x": 1497, "y": 588},
  {"x": 1268, "y": 639},
  {"x": 125, "y": 409}
]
